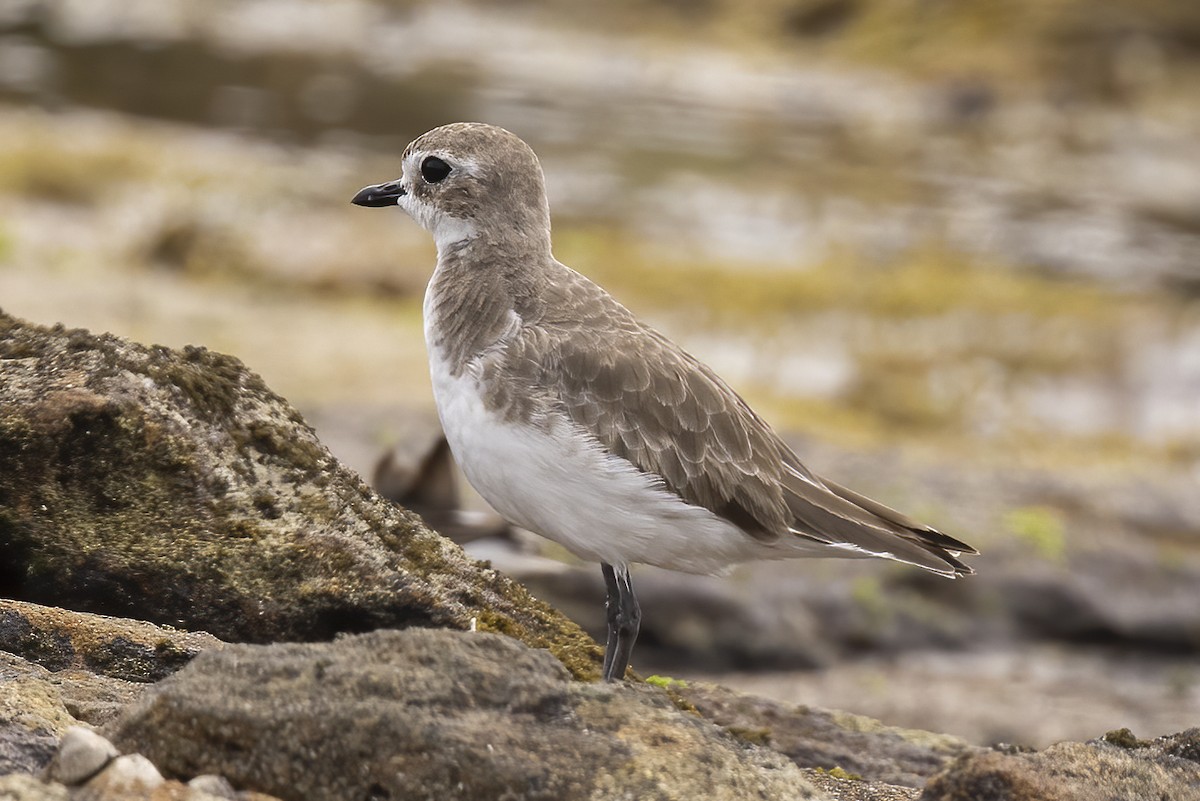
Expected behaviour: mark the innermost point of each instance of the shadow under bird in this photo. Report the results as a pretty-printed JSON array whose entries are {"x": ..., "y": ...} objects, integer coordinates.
[{"x": 577, "y": 421}]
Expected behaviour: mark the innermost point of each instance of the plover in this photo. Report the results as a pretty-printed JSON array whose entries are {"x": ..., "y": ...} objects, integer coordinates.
[{"x": 577, "y": 421}]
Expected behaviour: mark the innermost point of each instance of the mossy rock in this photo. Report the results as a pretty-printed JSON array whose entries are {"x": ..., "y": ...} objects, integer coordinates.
[
  {"x": 175, "y": 487},
  {"x": 436, "y": 714}
]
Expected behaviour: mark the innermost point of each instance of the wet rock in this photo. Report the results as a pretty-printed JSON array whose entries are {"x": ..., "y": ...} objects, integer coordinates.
[
  {"x": 1097, "y": 770},
  {"x": 1134, "y": 594},
  {"x": 433, "y": 714},
  {"x": 130, "y": 650},
  {"x": 175, "y": 486},
  {"x": 1185, "y": 745},
  {"x": 829, "y": 740},
  {"x": 81, "y": 755}
]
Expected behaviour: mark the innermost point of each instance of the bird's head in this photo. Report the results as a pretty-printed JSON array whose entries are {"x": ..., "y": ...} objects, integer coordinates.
[{"x": 466, "y": 179}]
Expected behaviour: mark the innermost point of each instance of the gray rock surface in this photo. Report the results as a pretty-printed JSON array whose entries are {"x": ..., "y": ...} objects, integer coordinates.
[
  {"x": 436, "y": 714},
  {"x": 829, "y": 740},
  {"x": 175, "y": 486}
]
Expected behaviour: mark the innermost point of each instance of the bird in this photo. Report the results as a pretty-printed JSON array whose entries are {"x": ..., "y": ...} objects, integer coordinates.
[{"x": 577, "y": 421}]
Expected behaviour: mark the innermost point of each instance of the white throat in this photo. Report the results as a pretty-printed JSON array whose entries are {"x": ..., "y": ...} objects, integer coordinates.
[
  {"x": 449, "y": 231},
  {"x": 446, "y": 230}
]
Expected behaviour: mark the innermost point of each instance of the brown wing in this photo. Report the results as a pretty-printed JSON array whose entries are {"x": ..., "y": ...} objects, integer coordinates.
[
  {"x": 647, "y": 401},
  {"x": 652, "y": 403}
]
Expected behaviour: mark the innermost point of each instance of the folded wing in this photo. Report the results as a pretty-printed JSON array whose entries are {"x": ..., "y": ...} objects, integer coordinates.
[{"x": 647, "y": 401}]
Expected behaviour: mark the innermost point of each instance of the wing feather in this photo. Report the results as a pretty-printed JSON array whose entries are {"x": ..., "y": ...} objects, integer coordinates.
[{"x": 648, "y": 401}]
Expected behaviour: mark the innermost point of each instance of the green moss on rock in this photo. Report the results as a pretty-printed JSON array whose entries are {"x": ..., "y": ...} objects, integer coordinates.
[
  {"x": 1124, "y": 738},
  {"x": 175, "y": 487}
]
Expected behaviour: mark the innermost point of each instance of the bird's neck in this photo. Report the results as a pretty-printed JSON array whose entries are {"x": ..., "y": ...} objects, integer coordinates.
[{"x": 479, "y": 288}]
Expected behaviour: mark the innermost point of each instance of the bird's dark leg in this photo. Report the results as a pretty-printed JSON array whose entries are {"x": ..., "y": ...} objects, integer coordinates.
[
  {"x": 612, "y": 603},
  {"x": 624, "y": 620}
]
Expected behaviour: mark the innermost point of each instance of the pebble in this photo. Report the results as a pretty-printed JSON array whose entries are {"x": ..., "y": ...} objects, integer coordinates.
[
  {"x": 127, "y": 774},
  {"x": 216, "y": 786},
  {"x": 82, "y": 754}
]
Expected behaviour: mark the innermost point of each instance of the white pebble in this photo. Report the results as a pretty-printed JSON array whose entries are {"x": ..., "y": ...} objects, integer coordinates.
[
  {"x": 81, "y": 755},
  {"x": 127, "y": 774},
  {"x": 216, "y": 786}
]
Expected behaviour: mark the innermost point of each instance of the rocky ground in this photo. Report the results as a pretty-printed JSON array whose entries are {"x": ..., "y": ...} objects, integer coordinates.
[
  {"x": 173, "y": 488},
  {"x": 1082, "y": 617}
]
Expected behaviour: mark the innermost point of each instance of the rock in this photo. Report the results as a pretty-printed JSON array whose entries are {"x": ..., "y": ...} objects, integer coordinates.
[
  {"x": 436, "y": 714},
  {"x": 37, "y": 707},
  {"x": 93, "y": 699},
  {"x": 216, "y": 786},
  {"x": 828, "y": 740},
  {"x": 81, "y": 755},
  {"x": 126, "y": 776},
  {"x": 1117, "y": 595},
  {"x": 24, "y": 787},
  {"x": 95, "y": 659},
  {"x": 843, "y": 788},
  {"x": 175, "y": 486},
  {"x": 130, "y": 650},
  {"x": 32, "y": 716},
  {"x": 1098, "y": 770},
  {"x": 134, "y": 778},
  {"x": 1185, "y": 745}
]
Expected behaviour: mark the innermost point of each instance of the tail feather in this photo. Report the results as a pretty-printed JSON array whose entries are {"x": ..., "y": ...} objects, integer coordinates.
[{"x": 831, "y": 514}]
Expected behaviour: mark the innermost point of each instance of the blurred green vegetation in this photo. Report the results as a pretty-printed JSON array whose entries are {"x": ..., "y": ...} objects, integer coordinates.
[
  {"x": 927, "y": 280},
  {"x": 1042, "y": 528}
]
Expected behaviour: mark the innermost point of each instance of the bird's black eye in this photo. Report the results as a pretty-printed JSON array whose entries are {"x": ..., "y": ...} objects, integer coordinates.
[{"x": 434, "y": 169}]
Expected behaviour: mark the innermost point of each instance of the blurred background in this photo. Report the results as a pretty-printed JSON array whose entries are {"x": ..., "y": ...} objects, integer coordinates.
[{"x": 952, "y": 249}]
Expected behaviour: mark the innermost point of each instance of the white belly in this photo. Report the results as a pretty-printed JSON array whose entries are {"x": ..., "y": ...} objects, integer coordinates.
[{"x": 559, "y": 482}]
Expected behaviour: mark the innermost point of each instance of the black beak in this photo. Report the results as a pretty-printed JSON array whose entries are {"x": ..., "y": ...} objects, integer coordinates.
[{"x": 379, "y": 195}]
